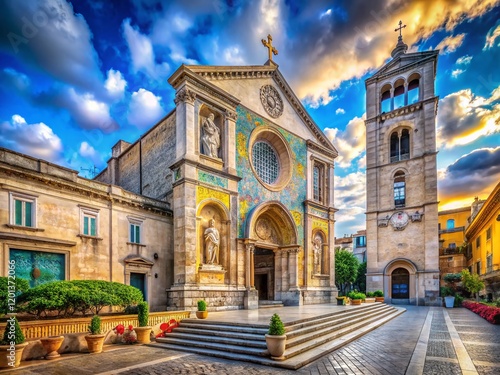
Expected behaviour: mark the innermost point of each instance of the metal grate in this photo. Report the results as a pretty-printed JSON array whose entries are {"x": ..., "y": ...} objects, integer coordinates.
[{"x": 265, "y": 161}]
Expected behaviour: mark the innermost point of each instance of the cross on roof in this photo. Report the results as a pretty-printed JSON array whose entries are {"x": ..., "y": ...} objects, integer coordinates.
[
  {"x": 401, "y": 26},
  {"x": 269, "y": 46}
]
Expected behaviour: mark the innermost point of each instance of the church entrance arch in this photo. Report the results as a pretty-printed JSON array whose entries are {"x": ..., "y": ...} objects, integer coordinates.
[
  {"x": 272, "y": 234},
  {"x": 400, "y": 282}
]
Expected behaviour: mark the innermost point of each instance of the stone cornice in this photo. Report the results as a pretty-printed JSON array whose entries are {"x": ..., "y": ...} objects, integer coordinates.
[
  {"x": 403, "y": 161},
  {"x": 35, "y": 239},
  {"x": 313, "y": 146},
  {"x": 88, "y": 188},
  {"x": 485, "y": 214}
]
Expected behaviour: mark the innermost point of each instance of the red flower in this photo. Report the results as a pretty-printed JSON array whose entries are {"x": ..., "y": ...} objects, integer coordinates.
[
  {"x": 120, "y": 329},
  {"x": 164, "y": 326},
  {"x": 130, "y": 327}
]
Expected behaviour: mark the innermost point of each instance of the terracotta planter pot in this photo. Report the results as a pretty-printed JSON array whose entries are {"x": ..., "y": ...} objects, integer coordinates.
[
  {"x": 369, "y": 299},
  {"x": 356, "y": 301},
  {"x": 379, "y": 299},
  {"x": 201, "y": 314},
  {"x": 51, "y": 345},
  {"x": 143, "y": 335},
  {"x": 276, "y": 346},
  {"x": 5, "y": 354},
  {"x": 94, "y": 343}
]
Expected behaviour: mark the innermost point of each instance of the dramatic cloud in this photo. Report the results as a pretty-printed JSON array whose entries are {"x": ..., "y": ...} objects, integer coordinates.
[
  {"x": 145, "y": 109},
  {"x": 350, "y": 199},
  {"x": 142, "y": 53},
  {"x": 115, "y": 84},
  {"x": 50, "y": 37},
  {"x": 474, "y": 174},
  {"x": 491, "y": 37},
  {"x": 350, "y": 143},
  {"x": 463, "y": 118},
  {"x": 450, "y": 44},
  {"x": 37, "y": 140}
]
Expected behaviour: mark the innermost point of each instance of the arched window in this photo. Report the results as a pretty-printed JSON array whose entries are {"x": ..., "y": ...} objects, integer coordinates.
[
  {"x": 399, "y": 94},
  {"x": 414, "y": 91},
  {"x": 399, "y": 189},
  {"x": 450, "y": 224},
  {"x": 400, "y": 145},
  {"x": 385, "y": 99},
  {"x": 318, "y": 182},
  {"x": 320, "y": 254}
]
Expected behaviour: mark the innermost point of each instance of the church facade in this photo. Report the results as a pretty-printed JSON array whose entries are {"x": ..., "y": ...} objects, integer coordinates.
[
  {"x": 401, "y": 179},
  {"x": 249, "y": 178}
]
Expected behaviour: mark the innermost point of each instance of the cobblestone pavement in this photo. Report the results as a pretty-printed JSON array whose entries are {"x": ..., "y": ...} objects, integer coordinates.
[{"x": 421, "y": 341}]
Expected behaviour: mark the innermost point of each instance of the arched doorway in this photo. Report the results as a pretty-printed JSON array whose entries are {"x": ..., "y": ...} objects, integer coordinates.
[{"x": 400, "y": 282}]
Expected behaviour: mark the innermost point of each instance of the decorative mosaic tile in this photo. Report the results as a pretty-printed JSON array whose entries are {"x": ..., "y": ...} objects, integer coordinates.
[{"x": 212, "y": 179}]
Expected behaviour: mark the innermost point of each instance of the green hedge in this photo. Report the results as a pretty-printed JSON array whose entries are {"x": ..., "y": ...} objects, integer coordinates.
[
  {"x": 65, "y": 298},
  {"x": 19, "y": 286}
]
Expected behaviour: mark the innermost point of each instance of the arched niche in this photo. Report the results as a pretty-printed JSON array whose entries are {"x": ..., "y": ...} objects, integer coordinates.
[
  {"x": 211, "y": 132},
  {"x": 212, "y": 210}
]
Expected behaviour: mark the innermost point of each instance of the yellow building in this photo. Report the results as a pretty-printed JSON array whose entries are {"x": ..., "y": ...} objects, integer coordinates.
[
  {"x": 451, "y": 240},
  {"x": 483, "y": 235}
]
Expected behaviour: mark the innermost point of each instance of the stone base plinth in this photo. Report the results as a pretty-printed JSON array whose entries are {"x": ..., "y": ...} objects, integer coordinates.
[
  {"x": 211, "y": 274},
  {"x": 251, "y": 301}
]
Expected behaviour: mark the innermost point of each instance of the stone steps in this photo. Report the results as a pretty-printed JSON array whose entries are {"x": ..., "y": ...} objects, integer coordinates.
[
  {"x": 270, "y": 304},
  {"x": 307, "y": 339}
]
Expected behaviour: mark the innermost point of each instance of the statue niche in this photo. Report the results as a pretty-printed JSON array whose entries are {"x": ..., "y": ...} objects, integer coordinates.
[
  {"x": 210, "y": 136},
  {"x": 212, "y": 243}
]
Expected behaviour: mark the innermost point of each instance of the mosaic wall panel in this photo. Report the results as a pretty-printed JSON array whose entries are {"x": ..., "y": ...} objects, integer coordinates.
[
  {"x": 212, "y": 179},
  {"x": 206, "y": 193},
  {"x": 251, "y": 192}
]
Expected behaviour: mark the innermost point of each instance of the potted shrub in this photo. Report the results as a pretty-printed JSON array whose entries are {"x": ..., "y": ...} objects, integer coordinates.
[
  {"x": 341, "y": 301},
  {"x": 143, "y": 331},
  {"x": 370, "y": 297},
  {"x": 51, "y": 345},
  {"x": 202, "y": 312},
  {"x": 379, "y": 296},
  {"x": 449, "y": 291},
  {"x": 449, "y": 297},
  {"x": 12, "y": 344},
  {"x": 276, "y": 338},
  {"x": 356, "y": 297},
  {"x": 95, "y": 339}
]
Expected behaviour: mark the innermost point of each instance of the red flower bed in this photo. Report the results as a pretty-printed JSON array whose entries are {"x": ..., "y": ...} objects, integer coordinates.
[{"x": 490, "y": 313}]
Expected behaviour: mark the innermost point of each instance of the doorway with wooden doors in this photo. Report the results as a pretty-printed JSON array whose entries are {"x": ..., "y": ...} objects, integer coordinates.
[{"x": 400, "y": 282}]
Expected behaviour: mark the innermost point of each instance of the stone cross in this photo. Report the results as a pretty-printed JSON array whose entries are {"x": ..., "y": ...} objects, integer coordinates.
[
  {"x": 401, "y": 26},
  {"x": 269, "y": 46}
]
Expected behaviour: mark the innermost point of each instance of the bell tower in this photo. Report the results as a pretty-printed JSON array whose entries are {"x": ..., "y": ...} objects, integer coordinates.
[{"x": 401, "y": 178}]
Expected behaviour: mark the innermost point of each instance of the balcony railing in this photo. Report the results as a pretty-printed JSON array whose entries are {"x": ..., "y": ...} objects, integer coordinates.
[{"x": 450, "y": 251}]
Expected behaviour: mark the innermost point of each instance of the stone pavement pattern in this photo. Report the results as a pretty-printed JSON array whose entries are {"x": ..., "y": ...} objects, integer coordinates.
[{"x": 420, "y": 341}]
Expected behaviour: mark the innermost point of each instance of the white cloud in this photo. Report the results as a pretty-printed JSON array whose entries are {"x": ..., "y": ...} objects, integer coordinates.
[
  {"x": 350, "y": 143},
  {"x": 340, "y": 111},
  {"x": 350, "y": 200},
  {"x": 115, "y": 84},
  {"x": 145, "y": 109},
  {"x": 456, "y": 72},
  {"x": 464, "y": 60},
  {"x": 37, "y": 139},
  {"x": 491, "y": 37},
  {"x": 450, "y": 44},
  {"x": 142, "y": 53},
  {"x": 86, "y": 151}
]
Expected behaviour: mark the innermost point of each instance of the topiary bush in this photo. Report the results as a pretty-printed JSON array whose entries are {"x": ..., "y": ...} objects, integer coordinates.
[
  {"x": 95, "y": 325},
  {"x": 202, "y": 305},
  {"x": 276, "y": 327},
  {"x": 65, "y": 298},
  {"x": 356, "y": 295},
  {"x": 16, "y": 287},
  {"x": 13, "y": 332},
  {"x": 370, "y": 294},
  {"x": 143, "y": 313},
  {"x": 378, "y": 293}
]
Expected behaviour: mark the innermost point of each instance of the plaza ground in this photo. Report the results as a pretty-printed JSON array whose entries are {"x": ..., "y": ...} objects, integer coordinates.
[{"x": 423, "y": 340}]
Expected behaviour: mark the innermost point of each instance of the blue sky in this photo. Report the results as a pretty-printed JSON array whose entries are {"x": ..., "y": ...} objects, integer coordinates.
[{"x": 75, "y": 77}]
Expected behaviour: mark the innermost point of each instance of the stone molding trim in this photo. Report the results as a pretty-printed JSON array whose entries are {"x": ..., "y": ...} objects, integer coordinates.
[
  {"x": 401, "y": 111},
  {"x": 313, "y": 146},
  {"x": 35, "y": 239},
  {"x": 185, "y": 95}
]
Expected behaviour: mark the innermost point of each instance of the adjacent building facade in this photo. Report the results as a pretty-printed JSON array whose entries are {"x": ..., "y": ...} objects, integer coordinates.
[{"x": 401, "y": 175}]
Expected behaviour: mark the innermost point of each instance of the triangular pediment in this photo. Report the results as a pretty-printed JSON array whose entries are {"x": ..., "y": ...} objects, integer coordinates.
[
  {"x": 404, "y": 61},
  {"x": 138, "y": 260},
  {"x": 246, "y": 92}
]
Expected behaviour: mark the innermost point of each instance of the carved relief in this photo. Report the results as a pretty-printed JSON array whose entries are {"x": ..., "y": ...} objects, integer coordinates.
[
  {"x": 263, "y": 229},
  {"x": 271, "y": 101},
  {"x": 185, "y": 95},
  {"x": 210, "y": 137}
]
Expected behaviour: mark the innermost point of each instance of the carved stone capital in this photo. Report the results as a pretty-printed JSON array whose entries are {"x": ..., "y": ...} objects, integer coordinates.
[
  {"x": 230, "y": 115},
  {"x": 185, "y": 95}
]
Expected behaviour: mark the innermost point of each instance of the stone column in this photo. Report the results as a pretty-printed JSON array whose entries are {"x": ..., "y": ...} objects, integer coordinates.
[
  {"x": 252, "y": 267},
  {"x": 293, "y": 268},
  {"x": 251, "y": 300},
  {"x": 185, "y": 125},
  {"x": 277, "y": 274},
  {"x": 248, "y": 266},
  {"x": 284, "y": 270},
  {"x": 230, "y": 142}
]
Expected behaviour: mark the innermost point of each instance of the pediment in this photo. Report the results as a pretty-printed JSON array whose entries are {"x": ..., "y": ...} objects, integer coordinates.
[
  {"x": 246, "y": 92},
  {"x": 138, "y": 260},
  {"x": 404, "y": 61}
]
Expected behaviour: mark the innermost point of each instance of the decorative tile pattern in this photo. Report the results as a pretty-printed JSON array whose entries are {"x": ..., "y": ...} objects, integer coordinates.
[{"x": 212, "y": 179}]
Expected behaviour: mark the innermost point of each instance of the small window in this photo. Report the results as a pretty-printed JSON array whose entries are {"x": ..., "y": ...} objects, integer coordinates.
[
  {"x": 478, "y": 242},
  {"x": 413, "y": 91},
  {"x": 452, "y": 245},
  {"x": 89, "y": 221},
  {"x": 399, "y": 97},
  {"x": 400, "y": 146},
  {"x": 319, "y": 182},
  {"x": 23, "y": 209},
  {"x": 385, "y": 99},
  {"x": 135, "y": 230},
  {"x": 478, "y": 268},
  {"x": 399, "y": 190},
  {"x": 450, "y": 224},
  {"x": 488, "y": 234}
]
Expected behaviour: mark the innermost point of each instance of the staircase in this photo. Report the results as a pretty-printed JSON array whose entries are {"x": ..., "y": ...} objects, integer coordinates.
[{"x": 307, "y": 339}]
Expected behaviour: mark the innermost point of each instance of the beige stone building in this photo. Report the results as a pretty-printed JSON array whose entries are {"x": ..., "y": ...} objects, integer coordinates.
[
  {"x": 402, "y": 215},
  {"x": 55, "y": 225}
]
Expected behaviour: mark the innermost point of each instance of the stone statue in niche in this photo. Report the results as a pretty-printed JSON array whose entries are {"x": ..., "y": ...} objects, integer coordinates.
[
  {"x": 317, "y": 255},
  {"x": 212, "y": 241},
  {"x": 210, "y": 139}
]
